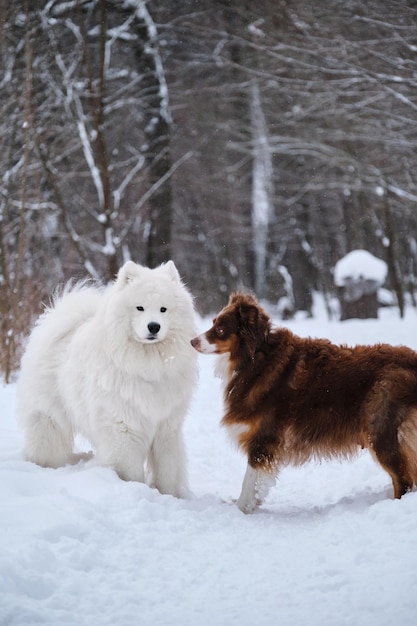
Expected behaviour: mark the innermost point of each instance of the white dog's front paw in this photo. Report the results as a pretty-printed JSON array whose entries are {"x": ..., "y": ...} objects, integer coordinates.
[{"x": 184, "y": 493}]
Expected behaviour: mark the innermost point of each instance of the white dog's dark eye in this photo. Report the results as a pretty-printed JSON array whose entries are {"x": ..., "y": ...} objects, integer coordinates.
[
  {"x": 140, "y": 308},
  {"x": 163, "y": 309}
]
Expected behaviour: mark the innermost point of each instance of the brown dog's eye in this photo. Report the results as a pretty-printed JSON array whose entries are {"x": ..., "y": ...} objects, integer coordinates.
[{"x": 220, "y": 331}]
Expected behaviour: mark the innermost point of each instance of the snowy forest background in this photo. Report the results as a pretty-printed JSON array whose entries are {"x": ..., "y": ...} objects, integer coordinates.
[{"x": 255, "y": 143}]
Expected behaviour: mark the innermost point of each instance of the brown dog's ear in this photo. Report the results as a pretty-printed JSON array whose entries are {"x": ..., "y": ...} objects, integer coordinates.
[
  {"x": 237, "y": 298},
  {"x": 254, "y": 324}
]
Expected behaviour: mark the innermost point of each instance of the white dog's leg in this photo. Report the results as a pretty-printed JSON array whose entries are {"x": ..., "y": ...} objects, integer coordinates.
[
  {"x": 255, "y": 488},
  {"x": 47, "y": 442},
  {"x": 127, "y": 457},
  {"x": 123, "y": 449},
  {"x": 167, "y": 461},
  {"x": 132, "y": 467}
]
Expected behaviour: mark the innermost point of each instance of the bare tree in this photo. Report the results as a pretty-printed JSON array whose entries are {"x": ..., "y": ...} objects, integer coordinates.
[
  {"x": 88, "y": 158},
  {"x": 254, "y": 143}
]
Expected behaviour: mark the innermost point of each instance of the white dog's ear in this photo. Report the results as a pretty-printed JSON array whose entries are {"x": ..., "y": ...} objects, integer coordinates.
[
  {"x": 169, "y": 266},
  {"x": 127, "y": 273}
]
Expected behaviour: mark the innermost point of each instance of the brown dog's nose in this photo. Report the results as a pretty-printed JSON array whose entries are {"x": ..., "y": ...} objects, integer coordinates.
[{"x": 195, "y": 342}]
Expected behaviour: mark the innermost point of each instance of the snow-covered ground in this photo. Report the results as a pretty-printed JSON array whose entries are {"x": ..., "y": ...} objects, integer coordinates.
[{"x": 79, "y": 547}]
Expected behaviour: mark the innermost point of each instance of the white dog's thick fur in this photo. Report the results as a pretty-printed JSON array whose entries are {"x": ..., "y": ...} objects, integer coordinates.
[{"x": 115, "y": 365}]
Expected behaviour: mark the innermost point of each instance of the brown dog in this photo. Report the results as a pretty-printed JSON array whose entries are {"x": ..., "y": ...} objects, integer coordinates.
[{"x": 288, "y": 399}]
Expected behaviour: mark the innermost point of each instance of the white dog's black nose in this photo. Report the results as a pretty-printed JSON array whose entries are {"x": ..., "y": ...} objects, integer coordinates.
[{"x": 154, "y": 328}]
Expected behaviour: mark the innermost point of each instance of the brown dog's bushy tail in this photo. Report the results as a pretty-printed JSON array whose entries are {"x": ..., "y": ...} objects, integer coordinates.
[{"x": 407, "y": 439}]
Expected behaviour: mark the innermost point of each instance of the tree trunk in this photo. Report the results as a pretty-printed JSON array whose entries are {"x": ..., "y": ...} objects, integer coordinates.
[{"x": 157, "y": 131}]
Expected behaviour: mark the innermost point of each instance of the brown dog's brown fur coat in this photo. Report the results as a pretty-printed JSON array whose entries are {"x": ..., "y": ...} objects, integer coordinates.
[{"x": 292, "y": 399}]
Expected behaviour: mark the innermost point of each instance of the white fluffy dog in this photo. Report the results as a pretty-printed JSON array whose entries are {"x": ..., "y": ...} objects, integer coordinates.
[{"x": 116, "y": 366}]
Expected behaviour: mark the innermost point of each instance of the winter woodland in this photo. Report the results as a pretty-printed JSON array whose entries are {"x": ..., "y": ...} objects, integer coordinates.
[{"x": 255, "y": 144}]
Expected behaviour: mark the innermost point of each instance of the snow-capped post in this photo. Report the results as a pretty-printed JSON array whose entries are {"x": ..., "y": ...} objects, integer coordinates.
[{"x": 358, "y": 276}]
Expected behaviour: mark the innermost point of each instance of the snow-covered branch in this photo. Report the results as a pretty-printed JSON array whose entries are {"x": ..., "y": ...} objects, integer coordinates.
[{"x": 152, "y": 48}]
